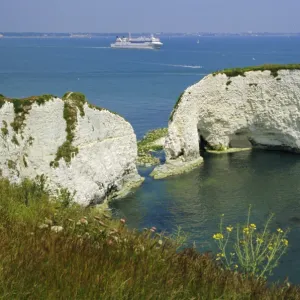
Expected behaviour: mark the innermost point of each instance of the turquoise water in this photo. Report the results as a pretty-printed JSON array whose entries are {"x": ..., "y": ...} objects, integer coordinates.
[{"x": 143, "y": 87}]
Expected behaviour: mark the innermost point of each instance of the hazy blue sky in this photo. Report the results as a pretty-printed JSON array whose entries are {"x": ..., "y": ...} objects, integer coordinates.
[{"x": 150, "y": 15}]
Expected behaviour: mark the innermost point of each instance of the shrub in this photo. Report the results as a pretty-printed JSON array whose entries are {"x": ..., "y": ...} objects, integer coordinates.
[{"x": 253, "y": 252}]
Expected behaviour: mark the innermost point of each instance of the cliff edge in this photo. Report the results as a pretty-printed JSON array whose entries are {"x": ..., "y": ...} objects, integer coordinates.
[
  {"x": 86, "y": 149},
  {"x": 248, "y": 107}
]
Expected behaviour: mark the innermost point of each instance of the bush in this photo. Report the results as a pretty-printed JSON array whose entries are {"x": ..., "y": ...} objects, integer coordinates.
[{"x": 252, "y": 252}]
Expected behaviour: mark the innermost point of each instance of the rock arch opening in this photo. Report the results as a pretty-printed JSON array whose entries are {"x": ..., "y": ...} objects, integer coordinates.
[{"x": 240, "y": 139}]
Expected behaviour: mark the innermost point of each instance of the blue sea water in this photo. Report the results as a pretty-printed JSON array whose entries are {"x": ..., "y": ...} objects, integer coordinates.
[{"x": 143, "y": 86}]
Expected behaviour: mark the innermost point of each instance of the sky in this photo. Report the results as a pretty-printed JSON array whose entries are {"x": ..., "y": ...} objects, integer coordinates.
[{"x": 149, "y": 16}]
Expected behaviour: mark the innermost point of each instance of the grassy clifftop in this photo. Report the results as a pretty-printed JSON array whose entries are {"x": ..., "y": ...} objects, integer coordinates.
[
  {"x": 233, "y": 72},
  {"x": 274, "y": 68},
  {"x": 59, "y": 250}
]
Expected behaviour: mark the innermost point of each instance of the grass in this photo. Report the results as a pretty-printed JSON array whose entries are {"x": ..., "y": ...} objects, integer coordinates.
[
  {"x": 22, "y": 108},
  {"x": 176, "y": 106},
  {"x": 4, "y": 129},
  {"x": 11, "y": 164},
  {"x": 2, "y": 101},
  {"x": 233, "y": 72},
  {"x": 78, "y": 99},
  {"x": 95, "y": 257},
  {"x": 73, "y": 101},
  {"x": 274, "y": 68},
  {"x": 25, "y": 162},
  {"x": 15, "y": 140},
  {"x": 147, "y": 145}
]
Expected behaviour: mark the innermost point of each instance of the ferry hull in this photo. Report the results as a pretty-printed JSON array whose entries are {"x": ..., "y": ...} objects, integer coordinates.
[{"x": 136, "y": 46}]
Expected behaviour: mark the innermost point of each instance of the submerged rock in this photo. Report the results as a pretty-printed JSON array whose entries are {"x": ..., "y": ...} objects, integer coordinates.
[
  {"x": 237, "y": 108},
  {"x": 86, "y": 149},
  {"x": 153, "y": 141}
]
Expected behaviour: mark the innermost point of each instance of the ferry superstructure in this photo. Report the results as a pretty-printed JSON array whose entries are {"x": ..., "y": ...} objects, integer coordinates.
[{"x": 137, "y": 43}]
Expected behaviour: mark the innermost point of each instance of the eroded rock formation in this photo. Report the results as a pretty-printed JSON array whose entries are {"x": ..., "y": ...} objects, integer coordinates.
[
  {"x": 240, "y": 107},
  {"x": 88, "y": 150}
]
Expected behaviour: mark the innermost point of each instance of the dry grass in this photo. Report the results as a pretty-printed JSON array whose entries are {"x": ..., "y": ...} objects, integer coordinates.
[{"x": 94, "y": 257}]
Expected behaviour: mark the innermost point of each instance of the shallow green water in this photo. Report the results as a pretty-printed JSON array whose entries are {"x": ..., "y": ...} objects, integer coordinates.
[{"x": 224, "y": 184}]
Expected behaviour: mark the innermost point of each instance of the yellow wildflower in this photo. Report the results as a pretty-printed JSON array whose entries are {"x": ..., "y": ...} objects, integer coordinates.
[
  {"x": 218, "y": 236},
  {"x": 229, "y": 228},
  {"x": 220, "y": 255},
  {"x": 279, "y": 230},
  {"x": 253, "y": 226},
  {"x": 236, "y": 266},
  {"x": 259, "y": 240},
  {"x": 270, "y": 247},
  {"x": 285, "y": 242},
  {"x": 246, "y": 230}
]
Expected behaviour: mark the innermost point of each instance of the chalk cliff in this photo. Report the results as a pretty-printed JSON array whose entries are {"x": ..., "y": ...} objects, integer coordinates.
[
  {"x": 259, "y": 106},
  {"x": 88, "y": 150}
]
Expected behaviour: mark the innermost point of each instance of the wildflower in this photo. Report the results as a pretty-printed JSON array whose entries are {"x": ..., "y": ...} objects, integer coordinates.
[
  {"x": 219, "y": 256},
  {"x": 246, "y": 230},
  {"x": 259, "y": 240},
  {"x": 154, "y": 228},
  {"x": 218, "y": 236},
  {"x": 83, "y": 221},
  {"x": 236, "y": 266},
  {"x": 253, "y": 226},
  {"x": 123, "y": 221},
  {"x": 285, "y": 242},
  {"x": 270, "y": 247},
  {"x": 160, "y": 242},
  {"x": 43, "y": 226},
  {"x": 110, "y": 242},
  {"x": 57, "y": 228},
  {"x": 279, "y": 230},
  {"x": 242, "y": 242},
  {"x": 229, "y": 228}
]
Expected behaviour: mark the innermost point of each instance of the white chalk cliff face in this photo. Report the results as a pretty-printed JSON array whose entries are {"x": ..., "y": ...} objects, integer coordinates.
[
  {"x": 89, "y": 151},
  {"x": 258, "y": 107}
]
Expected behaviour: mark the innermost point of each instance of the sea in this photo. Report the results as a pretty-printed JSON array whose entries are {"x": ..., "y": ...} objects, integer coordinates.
[{"x": 143, "y": 86}]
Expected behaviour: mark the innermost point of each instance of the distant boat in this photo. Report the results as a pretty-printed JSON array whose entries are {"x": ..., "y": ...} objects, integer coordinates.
[{"x": 137, "y": 43}]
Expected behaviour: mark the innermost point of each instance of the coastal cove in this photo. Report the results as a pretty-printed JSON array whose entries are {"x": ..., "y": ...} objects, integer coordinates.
[
  {"x": 224, "y": 184},
  {"x": 143, "y": 88}
]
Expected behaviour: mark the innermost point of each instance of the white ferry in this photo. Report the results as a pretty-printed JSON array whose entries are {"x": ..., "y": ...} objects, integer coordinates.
[{"x": 137, "y": 43}]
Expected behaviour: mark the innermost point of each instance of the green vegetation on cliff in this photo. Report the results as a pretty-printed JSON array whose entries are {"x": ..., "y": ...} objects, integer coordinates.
[
  {"x": 176, "y": 106},
  {"x": 59, "y": 250},
  {"x": 72, "y": 102},
  {"x": 233, "y": 72},
  {"x": 273, "y": 68},
  {"x": 152, "y": 141},
  {"x": 22, "y": 107}
]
